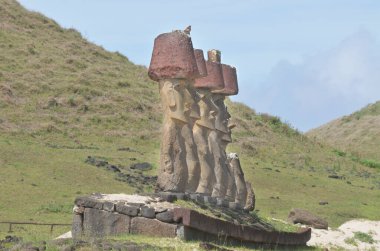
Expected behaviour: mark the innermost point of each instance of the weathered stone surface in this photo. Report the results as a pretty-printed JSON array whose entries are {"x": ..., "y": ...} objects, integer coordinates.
[
  {"x": 109, "y": 206},
  {"x": 201, "y": 64},
  {"x": 214, "y": 56},
  {"x": 78, "y": 209},
  {"x": 99, "y": 223},
  {"x": 222, "y": 202},
  {"x": 235, "y": 206},
  {"x": 173, "y": 172},
  {"x": 230, "y": 81},
  {"x": 218, "y": 227},
  {"x": 214, "y": 79},
  {"x": 173, "y": 57},
  {"x": 251, "y": 199},
  {"x": 304, "y": 217},
  {"x": 148, "y": 212},
  {"x": 241, "y": 187},
  {"x": 201, "y": 131},
  {"x": 165, "y": 216},
  {"x": 209, "y": 199},
  {"x": 122, "y": 208},
  {"x": 88, "y": 202},
  {"x": 152, "y": 227},
  {"x": 77, "y": 226},
  {"x": 192, "y": 161}
]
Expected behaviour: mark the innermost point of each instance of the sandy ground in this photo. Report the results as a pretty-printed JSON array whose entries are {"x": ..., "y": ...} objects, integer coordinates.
[{"x": 336, "y": 238}]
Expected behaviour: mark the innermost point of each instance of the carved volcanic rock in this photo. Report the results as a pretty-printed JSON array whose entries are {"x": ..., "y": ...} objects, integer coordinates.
[
  {"x": 304, "y": 217},
  {"x": 173, "y": 57},
  {"x": 199, "y": 57},
  {"x": 230, "y": 80},
  {"x": 214, "y": 79}
]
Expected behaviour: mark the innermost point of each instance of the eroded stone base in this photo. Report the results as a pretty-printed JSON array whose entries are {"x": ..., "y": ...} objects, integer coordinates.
[{"x": 106, "y": 215}]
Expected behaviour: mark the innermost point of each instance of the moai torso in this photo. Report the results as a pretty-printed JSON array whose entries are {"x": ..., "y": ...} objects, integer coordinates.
[
  {"x": 224, "y": 179},
  {"x": 173, "y": 168},
  {"x": 192, "y": 113},
  {"x": 201, "y": 131}
]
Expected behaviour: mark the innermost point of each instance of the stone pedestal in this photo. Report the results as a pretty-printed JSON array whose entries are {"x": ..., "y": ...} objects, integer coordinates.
[{"x": 104, "y": 215}]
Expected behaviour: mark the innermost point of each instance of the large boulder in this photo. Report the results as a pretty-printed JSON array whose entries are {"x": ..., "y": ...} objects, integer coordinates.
[{"x": 297, "y": 215}]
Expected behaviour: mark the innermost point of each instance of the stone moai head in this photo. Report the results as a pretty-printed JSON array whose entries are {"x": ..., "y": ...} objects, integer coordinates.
[
  {"x": 230, "y": 88},
  {"x": 221, "y": 120},
  {"x": 207, "y": 109},
  {"x": 172, "y": 64},
  {"x": 204, "y": 85}
]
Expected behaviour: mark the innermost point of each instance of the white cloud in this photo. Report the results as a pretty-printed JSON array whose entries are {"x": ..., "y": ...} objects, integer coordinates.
[{"x": 324, "y": 86}]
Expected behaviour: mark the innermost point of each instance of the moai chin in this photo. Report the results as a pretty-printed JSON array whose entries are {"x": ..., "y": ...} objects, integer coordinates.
[{"x": 173, "y": 65}]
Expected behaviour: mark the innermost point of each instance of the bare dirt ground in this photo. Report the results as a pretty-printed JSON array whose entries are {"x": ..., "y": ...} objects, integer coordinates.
[{"x": 344, "y": 237}]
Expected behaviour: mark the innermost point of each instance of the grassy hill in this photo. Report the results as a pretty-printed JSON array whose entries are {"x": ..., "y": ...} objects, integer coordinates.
[
  {"x": 63, "y": 99},
  {"x": 357, "y": 134}
]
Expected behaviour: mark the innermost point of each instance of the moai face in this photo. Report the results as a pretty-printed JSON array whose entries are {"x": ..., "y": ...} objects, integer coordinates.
[
  {"x": 173, "y": 99},
  {"x": 208, "y": 110},
  {"x": 191, "y": 100},
  {"x": 221, "y": 120}
]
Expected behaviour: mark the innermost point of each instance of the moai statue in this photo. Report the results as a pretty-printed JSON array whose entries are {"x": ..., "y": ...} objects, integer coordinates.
[
  {"x": 241, "y": 187},
  {"x": 173, "y": 64},
  {"x": 251, "y": 198},
  {"x": 193, "y": 164},
  {"x": 224, "y": 170},
  {"x": 206, "y": 125}
]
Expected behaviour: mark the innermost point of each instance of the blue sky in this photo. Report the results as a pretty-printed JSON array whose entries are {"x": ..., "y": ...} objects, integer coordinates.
[{"x": 305, "y": 61}]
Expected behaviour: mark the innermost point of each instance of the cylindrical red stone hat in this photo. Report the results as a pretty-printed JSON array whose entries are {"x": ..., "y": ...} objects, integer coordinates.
[
  {"x": 214, "y": 79},
  {"x": 199, "y": 57},
  {"x": 173, "y": 57},
  {"x": 230, "y": 80}
]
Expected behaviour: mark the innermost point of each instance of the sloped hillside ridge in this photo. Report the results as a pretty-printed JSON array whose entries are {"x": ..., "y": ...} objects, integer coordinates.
[
  {"x": 63, "y": 99},
  {"x": 358, "y": 133}
]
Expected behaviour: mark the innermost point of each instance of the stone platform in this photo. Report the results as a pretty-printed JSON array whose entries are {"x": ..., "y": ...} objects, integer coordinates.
[{"x": 102, "y": 215}]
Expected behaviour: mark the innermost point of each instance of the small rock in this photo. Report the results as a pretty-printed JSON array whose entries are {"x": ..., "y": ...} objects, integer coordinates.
[
  {"x": 144, "y": 166},
  {"x": 125, "y": 209},
  {"x": 165, "y": 216},
  {"x": 160, "y": 210},
  {"x": 108, "y": 206},
  {"x": 148, "y": 212},
  {"x": 304, "y": 217}
]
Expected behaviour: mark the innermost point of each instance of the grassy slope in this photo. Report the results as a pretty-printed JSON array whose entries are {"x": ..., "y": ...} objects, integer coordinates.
[
  {"x": 60, "y": 92},
  {"x": 358, "y": 133}
]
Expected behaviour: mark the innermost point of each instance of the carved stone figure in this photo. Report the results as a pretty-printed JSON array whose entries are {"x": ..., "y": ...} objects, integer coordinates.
[
  {"x": 201, "y": 131},
  {"x": 251, "y": 199},
  {"x": 224, "y": 186},
  {"x": 241, "y": 188},
  {"x": 173, "y": 167},
  {"x": 173, "y": 64},
  {"x": 192, "y": 160}
]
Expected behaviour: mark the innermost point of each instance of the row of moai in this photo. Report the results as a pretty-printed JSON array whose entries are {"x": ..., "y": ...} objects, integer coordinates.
[{"x": 196, "y": 128}]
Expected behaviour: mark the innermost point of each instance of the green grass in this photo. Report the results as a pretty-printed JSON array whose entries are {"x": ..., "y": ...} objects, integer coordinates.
[
  {"x": 63, "y": 99},
  {"x": 364, "y": 237},
  {"x": 358, "y": 133}
]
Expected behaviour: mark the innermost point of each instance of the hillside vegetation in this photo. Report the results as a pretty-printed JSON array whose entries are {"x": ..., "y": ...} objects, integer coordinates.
[
  {"x": 63, "y": 99},
  {"x": 357, "y": 134}
]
